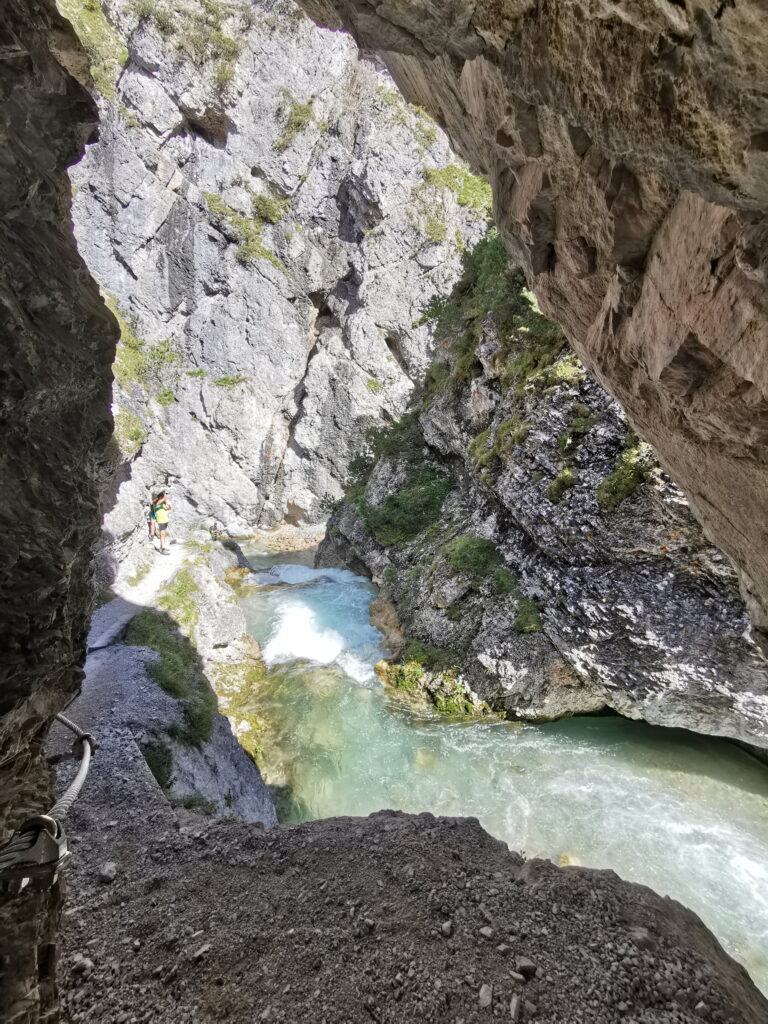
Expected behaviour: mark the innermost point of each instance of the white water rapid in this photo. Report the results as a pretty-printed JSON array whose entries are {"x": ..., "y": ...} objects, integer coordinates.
[{"x": 685, "y": 814}]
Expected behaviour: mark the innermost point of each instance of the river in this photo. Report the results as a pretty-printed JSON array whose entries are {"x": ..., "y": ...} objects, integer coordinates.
[{"x": 684, "y": 814}]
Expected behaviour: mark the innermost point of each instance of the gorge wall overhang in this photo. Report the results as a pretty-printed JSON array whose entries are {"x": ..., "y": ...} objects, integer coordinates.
[{"x": 625, "y": 143}]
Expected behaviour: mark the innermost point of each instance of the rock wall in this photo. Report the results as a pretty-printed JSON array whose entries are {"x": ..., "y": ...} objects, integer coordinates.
[
  {"x": 628, "y": 150},
  {"x": 156, "y": 692},
  {"x": 268, "y": 217},
  {"x": 564, "y": 572},
  {"x": 58, "y": 342}
]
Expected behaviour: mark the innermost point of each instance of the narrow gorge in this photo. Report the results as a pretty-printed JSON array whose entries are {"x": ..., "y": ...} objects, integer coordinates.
[{"x": 441, "y": 328}]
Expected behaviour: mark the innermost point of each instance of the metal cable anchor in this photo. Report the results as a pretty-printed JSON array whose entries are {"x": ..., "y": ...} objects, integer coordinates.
[
  {"x": 40, "y": 851},
  {"x": 36, "y": 852}
]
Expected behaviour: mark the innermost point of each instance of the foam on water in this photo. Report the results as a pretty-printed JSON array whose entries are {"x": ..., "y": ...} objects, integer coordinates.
[{"x": 684, "y": 814}]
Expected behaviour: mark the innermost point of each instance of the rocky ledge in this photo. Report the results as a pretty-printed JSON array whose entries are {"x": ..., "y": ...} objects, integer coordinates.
[
  {"x": 355, "y": 919},
  {"x": 530, "y": 552}
]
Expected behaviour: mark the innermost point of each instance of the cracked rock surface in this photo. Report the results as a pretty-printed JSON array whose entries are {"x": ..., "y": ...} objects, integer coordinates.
[
  {"x": 628, "y": 150},
  {"x": 270, "y": 245},
  {"x": 600, "y": 590}
]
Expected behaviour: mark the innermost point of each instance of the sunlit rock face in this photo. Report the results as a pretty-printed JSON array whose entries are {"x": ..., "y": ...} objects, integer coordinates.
[
  {"x": 266, "y": 226},
  {"x": 564, "y": 572},
  {"x": 627, "y": 145},
  {"x": 58, "y": 343}
]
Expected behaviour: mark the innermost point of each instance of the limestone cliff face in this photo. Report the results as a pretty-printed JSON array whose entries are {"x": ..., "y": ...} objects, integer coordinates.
[
  {"x": 267, "y": 217},
  {"x": 563, "y": 572},
  {"x": 627, "y": 144}
]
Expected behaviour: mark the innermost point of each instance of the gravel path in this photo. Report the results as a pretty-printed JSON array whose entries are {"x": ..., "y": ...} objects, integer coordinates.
[
  {"x": 110, "y": 619},
  {"x": 392, "y": 918}
]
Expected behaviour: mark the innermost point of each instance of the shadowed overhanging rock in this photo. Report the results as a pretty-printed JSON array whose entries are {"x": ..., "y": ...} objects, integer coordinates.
[
  {"x": 58, "y": 343},
  {"x": 627, "y": 145}
]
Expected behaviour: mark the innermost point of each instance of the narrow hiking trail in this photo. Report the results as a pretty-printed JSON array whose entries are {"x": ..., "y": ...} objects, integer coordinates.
[{"x": 111, "y": 618}]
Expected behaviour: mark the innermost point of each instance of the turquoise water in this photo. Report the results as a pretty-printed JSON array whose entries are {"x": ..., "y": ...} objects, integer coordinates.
[{"x": 685, "y": 814}]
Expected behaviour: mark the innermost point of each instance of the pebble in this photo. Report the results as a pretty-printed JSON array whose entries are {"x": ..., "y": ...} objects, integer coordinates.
[
  {"x": 82, "y": 964},
  {"x": 515, "y": 1008},
  {"x": 486, "y": 932},
  {"x": 525, "y": 966},
  {"x": 486, "y": 996},
  {"x": 200, "y": 953},
  {"x": 447, "y": 928},
  {"x": 108, "y": 872}
]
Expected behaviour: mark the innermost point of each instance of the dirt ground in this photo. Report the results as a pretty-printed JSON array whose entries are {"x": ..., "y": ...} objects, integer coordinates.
[{"x": 175, "y": 917}]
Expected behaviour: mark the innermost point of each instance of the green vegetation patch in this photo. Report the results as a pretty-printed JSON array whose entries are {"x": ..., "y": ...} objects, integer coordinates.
[
  {"x": 247, "y": 230},
  {"x": 140, "y": 574},
  {"x": 435, "y": 227},
  {"x": 634, "y": 467},
  {"x": 178, "y": 599},
  {"x": 230, "y": 382},
  {"x": 403, "y": 515},
  {"x": 454, "y": 703},
  {"x": 582, "y": 421},
  {"x": 408, "y": 675},
  {"x": 529, "y": 343},
  {"x": 489, "y": 449},
  {"x": 474, "y": 556},
  {"x": 469, "y": 189},
  {"x": 564, "y": 480},
  {"x": 130, "y": 358},
  {"x": 137, "y": 362},
  {"x": 195, "y": 802},
  {"x": 129, "y": 117},
  {"x": 130, "y": 432},
  {"x": 503, "y": 581},
  {"x": 160, "y": 762},
  {"x": 374, "y": 385},
  {"x": 528, "y": 617},
  {"x": 410, "y": 116},
  {"x": 401, "y": 440},
  {"x": 433, "y": 658},
  {"x": 178, "y": 669},
  {"x": 270, "y": 208},
  {"x": 201, "y": 34},
  {"x": 298, "y": 117},
  {"x": 566, "y": 371},
  {"x": 106, "y": 52},
  {"x": 509, "y": 434}
]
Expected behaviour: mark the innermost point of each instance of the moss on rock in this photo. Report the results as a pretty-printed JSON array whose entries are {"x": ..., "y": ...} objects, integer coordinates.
[{"x": 633, "y": 469}]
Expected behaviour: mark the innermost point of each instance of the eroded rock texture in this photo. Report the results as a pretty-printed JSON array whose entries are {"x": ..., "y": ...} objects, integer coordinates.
[
  {"x": 58, "y": 342},
  {"x": 269, "y": 242},
  {"x": 564, "y": 573},
  {"x": 627, "y": 144}
]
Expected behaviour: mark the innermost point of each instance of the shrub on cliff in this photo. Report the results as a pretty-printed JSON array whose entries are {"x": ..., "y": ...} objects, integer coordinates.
[
  {"x": 474, "y": 556},
  {"x": 403, "y": 515}
]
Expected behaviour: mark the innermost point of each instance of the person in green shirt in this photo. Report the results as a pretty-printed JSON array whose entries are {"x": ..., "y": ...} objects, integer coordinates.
[{"x": 160, "y": 509}]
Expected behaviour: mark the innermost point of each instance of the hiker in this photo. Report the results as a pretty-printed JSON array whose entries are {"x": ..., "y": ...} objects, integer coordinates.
[
  {"x": 160, "y": 509},
  {"x": 151, "y": 521}
]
